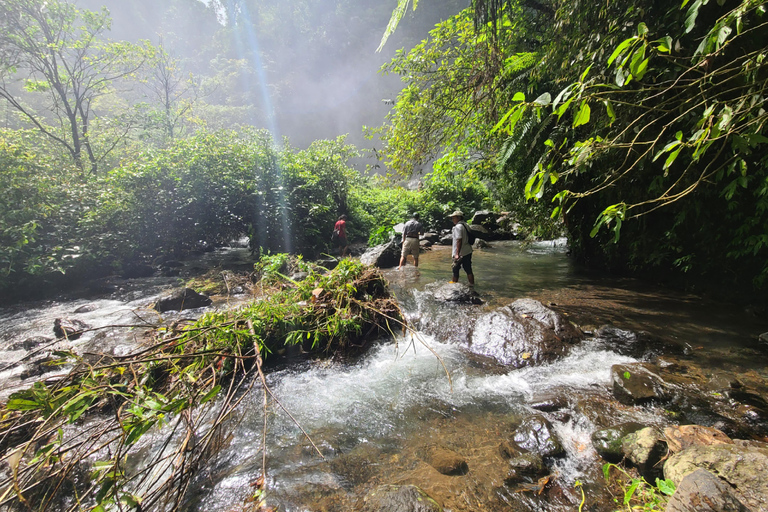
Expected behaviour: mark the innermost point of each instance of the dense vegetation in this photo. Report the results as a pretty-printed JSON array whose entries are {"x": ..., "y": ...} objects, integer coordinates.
[{"x": 645, "y": 118}]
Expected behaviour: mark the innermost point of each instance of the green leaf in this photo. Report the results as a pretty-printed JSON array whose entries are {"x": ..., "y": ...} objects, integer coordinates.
[
  {"x": 620, "y": 49},
  {"x": 609, "y": 110},
  {"x": 19, "y": 404},
  {"x": 519, "y": 96},
  {"x": 583, "y": 116},
  {"x": 666, "y": 486},
  {"x": 664, "y": 45},
  {"x": 631, "y": 491},
  {"x": 213, "y": 392}
]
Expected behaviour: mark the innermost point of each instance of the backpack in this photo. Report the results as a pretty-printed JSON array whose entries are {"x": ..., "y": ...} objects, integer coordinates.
[
  {"x": 471, "y": 235},
  {"x": 335, "y": 236}
]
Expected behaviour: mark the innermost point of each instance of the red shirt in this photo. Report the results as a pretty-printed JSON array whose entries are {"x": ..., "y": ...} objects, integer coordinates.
[{"x": 341, "y": 225}]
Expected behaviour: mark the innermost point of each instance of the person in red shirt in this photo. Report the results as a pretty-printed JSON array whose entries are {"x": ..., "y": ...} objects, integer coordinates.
[{"x": 340, "y": 233}]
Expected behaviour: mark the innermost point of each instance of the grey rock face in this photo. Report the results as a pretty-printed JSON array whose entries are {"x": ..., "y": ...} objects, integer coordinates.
[
  {"x": 522, "y": 334},
  {"x": 701, "y": 491},
  {"x": 383, "y": 256},
  {"x": 457, "y": 292}
]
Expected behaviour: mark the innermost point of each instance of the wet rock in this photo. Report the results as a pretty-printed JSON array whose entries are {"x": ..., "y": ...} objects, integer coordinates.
[
  {"x": 37, "y": 367},
  {"x": 70, "y": 329},
  {"x": 386, "y": 255},
  {"x": 356, "y": 465},
  {"x": 608, "y": 441},
  {"x": 482, "y": 244},
  {"x": 535, "y": 434},
  {"x": 444, "y": 460},
  {"x": 431, "y": 237},
  {"x": 742, "y": 465},
  {"x": 399, "y": 498},
  {"x": 138, "y": 270},
  {"x": 644, "y": 449},
  {"x": 458, "y": 293},
  {"x": 763, "y": 337},
  {"x": 425, "y": 244},
  {"x": 682, "y": 437},
  {"x": 628, "y": 343},
  {"x": 446, "y": 240},
  {"x": 31, "y": 343},
  {"x": 485, "y": 218},
  {"x": 525, "y": 467},
  {"x": 561, "y": 326},
  {"x": 522, "y": 334},
  {"x": 637, "y": 384},
  {"x": 701, "y": 491},
  {"x": 86, "y": 308},
  {"x": 185, "y": 298},
  {"x": 549, "y": 403}
]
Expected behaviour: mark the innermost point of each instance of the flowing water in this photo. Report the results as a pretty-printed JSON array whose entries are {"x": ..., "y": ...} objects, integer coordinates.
[{"x": 373, "y": 419}]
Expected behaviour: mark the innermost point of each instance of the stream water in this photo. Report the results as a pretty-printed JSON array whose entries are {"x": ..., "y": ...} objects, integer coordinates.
[{"x": 373, "y": 418}]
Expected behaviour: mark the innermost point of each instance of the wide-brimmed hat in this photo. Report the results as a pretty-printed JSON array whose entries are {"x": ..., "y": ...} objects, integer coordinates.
[{"x": 457, "y": 213}]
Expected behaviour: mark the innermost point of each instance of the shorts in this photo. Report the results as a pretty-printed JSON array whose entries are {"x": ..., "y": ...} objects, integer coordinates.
[
  {"x": 465, "y": 262},
  {"x": 410, "y": 246}
]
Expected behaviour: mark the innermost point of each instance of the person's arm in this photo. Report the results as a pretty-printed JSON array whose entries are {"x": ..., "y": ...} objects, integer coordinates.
[{"x": 459, "y": 240}]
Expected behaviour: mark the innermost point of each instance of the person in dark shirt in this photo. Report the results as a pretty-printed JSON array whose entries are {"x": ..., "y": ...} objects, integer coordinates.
[{"x": 411, "y": 232}]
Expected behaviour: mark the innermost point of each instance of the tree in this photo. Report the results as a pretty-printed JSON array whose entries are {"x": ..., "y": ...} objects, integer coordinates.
[
  {"x": 175, "y": 93},
  {"x": 56, "y": 50}
]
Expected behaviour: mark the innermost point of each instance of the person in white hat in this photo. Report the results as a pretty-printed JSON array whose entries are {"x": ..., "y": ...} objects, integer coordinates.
[{"x": 461, "y": 250}]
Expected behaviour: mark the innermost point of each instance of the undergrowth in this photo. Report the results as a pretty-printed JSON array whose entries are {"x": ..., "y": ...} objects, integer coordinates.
[
  {"x": 69, "y": 441},
  {"x": 633, "y": 493}
]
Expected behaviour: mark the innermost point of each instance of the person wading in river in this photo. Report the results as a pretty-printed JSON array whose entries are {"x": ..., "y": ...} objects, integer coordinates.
[
  {"x": 411, "y": 232},
  {"x": 461, "y": 250}
]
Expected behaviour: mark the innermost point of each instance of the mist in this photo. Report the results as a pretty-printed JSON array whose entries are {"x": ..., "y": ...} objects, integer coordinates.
[{"x": 303, "y": 69}]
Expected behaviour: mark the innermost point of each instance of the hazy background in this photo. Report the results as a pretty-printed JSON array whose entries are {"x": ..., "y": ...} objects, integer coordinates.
[{"x": 305, "y": 69}]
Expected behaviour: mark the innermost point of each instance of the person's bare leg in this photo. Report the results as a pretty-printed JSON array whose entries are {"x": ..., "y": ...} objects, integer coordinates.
[
  {"x": 415, "y": 262},
  {"x": 402, "y": 262}
]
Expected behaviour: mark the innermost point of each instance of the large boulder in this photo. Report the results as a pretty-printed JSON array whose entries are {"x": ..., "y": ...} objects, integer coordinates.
[
  {"x": 185, "y": 298},
  {"x": 386, "y": 255},
  {"x": 702, "y": 491},
  {"x": 431, "y": 236},
  {"x": 485, "y": 218},
  {"x": 522, "y": 334},
  {"x": 399, "y": 498},
  {"x": 741, "y": 464}
]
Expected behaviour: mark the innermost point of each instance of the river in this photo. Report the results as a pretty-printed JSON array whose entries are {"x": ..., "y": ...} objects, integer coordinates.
[{"x": 374, "y": 418}]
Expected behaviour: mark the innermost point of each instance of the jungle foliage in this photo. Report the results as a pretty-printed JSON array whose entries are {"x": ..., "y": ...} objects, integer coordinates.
[
  {"x": 75, "y": 442},
  {"x": 646, "y": 118}
]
